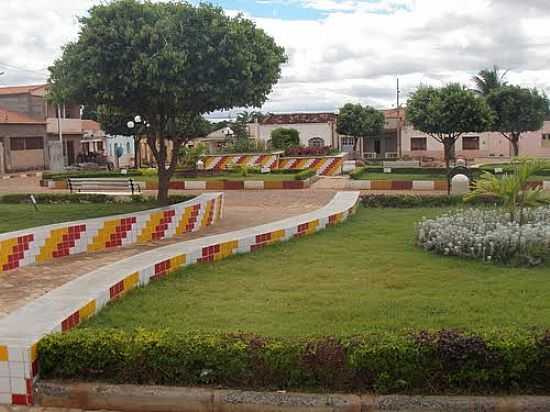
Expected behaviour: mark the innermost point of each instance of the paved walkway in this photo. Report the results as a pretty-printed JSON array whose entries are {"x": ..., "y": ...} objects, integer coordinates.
[{"x": 241, "y": 209}]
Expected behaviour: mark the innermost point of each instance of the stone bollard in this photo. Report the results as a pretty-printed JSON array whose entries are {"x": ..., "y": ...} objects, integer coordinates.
[{"x": 460, "y": 184}]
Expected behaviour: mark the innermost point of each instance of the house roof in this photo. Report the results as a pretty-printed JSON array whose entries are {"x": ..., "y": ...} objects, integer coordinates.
[
  {"x": 9, "y": 117},
  {"x": 296, "y": 118},
  {"x": 90, "y": 125},
  {"x": 34, "y": 89}
]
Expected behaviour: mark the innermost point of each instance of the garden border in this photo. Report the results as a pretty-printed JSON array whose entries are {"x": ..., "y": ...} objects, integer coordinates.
[
  {"x": 417, "y": 185},
  {"x": 44, "y": 243},
  {"x": 65, "y": 307}
]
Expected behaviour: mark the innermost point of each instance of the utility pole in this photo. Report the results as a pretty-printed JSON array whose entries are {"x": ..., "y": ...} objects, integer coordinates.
[{"x": 398, "y": 92}]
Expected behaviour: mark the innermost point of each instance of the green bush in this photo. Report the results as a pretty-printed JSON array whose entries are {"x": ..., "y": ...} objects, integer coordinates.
[
  {"x": 357, "y": 173},
  {"x": 92, "y": 174},
  {"x": 286, "y": 171},
  {"x": 282, "y": 138},
  {"x": 305, "y": 174},
  {"x": 445, "y": 361},
  {"x": 55, "y": 198},
  {"x": 412, "y": 201}
]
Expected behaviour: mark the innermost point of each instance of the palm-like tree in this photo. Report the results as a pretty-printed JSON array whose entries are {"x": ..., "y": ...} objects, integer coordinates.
[{"x": 488, "y": 80}]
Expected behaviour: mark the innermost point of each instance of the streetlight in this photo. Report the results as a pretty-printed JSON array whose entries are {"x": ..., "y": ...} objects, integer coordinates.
[{"x": 137, "y": 122}]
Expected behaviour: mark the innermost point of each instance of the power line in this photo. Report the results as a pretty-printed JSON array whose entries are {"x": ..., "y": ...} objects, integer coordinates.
[{"x": 11, "y": 67}]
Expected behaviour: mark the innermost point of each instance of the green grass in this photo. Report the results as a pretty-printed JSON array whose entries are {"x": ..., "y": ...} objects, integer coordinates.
[
  {"x": 405, "y": 176},
  {"x": 230, "y": 176},
  {"x": 364, "y": 275},
  {"x": 22, "y": 216}
]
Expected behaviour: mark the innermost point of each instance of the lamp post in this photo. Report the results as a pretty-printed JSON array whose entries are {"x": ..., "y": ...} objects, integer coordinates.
[{"x": 138, "y": 122}]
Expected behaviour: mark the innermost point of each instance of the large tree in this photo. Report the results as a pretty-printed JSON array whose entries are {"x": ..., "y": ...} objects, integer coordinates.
[
  {"x": 517, "y": 110},
  {"x": 359, "y": 121},
  {"x": 170, "y": 63},
  {"x": 446, "y": 113},
  {"x": 488, "y": 80}
]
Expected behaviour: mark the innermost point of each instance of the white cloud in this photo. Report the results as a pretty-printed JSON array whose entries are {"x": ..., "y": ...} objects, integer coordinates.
[{"x": 353, "y": 53}]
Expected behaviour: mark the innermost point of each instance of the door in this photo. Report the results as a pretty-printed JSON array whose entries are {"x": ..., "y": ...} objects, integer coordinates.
[
  {"x": 346, "y": 144},
  {"x": 377, "y": 146},
  {"x": 69, "y": 151}
]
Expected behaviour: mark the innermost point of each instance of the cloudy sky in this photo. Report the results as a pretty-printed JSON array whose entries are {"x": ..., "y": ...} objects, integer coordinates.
[{"x": 339, "y": 50}]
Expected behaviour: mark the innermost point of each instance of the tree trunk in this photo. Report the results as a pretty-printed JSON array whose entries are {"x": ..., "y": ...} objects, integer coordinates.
[
  {"x": 515, "y": 144},
  {"x": 137, "y": 152},
  {"x": 164, "y": 184},
  {"x": 449, "y": 154}
]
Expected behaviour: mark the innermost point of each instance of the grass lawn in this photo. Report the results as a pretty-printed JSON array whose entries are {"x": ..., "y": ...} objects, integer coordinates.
[
  {"x": 21, "y": 216},
  {"x": 360, "y": 276},
  {"x": 231, "y": 176},
  {"x": 404, "y": 176}
]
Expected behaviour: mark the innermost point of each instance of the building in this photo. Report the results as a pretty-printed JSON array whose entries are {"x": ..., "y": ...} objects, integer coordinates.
[
  {"x": 316, "y": 129},
  {"x": 126, "y": 144},
  {"x": 23, "y": 142},
  {"x": 30, "y": 102}
]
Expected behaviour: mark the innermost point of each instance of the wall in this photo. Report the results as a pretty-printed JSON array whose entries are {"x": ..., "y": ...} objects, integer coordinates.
[
  {"x": 218, "y": 162},
  {"x": 64, "y": 308},
  {"x": 324, "y": 165},
  {"x": 127, "y": 158},
  {"x": 325, "y": 131},
  {"x": 26, "y": 159},
  {"x": 491, "y": 145},
  {"x": 45, "y": 243}
]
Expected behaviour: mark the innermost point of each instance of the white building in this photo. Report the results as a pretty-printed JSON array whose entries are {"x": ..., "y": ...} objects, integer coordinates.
[{"x": 316, "y": 129}]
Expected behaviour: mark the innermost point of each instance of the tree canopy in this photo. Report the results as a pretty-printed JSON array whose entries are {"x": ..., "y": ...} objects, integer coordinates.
[
  {"x": 488, "y": 80},
  {"x": 517, "y": 110},
  {"x": 357, "y": 121},
  {"x": 446, "y": 113},
  {"x": 169, "y": 63},
  {"x": 282, "y": 138}
]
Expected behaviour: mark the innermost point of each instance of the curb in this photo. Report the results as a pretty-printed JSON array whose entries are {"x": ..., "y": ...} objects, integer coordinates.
[{"x": 142, "y": 398}]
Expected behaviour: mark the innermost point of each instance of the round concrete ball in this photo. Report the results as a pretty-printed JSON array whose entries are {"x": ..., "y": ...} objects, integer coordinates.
[
  {"x": 460, "y": 162},
  {"x": 460, "y": 184}
]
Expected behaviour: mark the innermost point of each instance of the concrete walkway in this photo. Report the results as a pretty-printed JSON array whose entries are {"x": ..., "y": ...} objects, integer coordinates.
[{"x": 241, "y": 209}]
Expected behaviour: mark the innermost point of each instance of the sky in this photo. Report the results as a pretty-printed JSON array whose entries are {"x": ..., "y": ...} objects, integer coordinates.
[{"x": 339, "y": 51}]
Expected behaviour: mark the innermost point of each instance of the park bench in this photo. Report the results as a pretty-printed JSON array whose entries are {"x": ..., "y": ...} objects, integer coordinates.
[
  {"x": 127, "y": 186},
  {"x": 396, "y": 164}
]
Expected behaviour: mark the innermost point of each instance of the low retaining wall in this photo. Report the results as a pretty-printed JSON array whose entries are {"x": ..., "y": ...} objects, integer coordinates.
[
  {"x": 44, "y": 243},
  {"x": 65, "y": 307},
  {"x": 224, "y": 184},
  {"x": 436, "y": 185},
  {"x": 145, "y": 398},
  {"x": 323, "y": 165},
  {"x": 222, "y": 161}
]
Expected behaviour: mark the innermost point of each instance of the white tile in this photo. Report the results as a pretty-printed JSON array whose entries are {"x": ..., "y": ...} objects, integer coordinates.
[
  {"x": 5, "y": 398},
  {"x": 4, "y": 370},
  {"x": 423, "y": 185},
  {"x": 18, "y": 385},
  {"x": 17, "y": 370},
  {"x": 15, "y": 354},
  {"x": 5, "y": 386}
]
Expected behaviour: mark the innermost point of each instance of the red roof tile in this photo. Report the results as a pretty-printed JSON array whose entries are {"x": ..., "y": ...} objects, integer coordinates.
[
  {"x": 9, "y": 117},
  {"x": 296, "y": 118},
  {"x": 90, "y": 125},
  {"x": 34, "y": 89}
]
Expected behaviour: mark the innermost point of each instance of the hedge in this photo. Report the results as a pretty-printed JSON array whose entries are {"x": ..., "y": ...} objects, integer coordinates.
[
  {"x": 89, "y": 174},
  {"x": 305, "y": 174},
  {"x": 47, "y": 198},
  {"x": 445, "y": 361},
  {"x": 410, "y": 201},
  {"x": 357, "y": 173}
]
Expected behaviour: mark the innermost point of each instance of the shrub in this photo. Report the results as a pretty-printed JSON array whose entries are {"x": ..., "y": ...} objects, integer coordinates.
[
  {"x": 422, "y": 362},
  {"x": 92, "y": 174},
  {"x": 308, "y": 151},
  {"x": 305, "y": 174},
  {"x": 47, "y": 198},
  {"x": 489, "y": 235},
  {"x": 357, "y": 173},
  {"x": 286, "y": 171},
  {"x": 411, "y": 201},
  {"x": 244, "y": 146},
  {"x": 283, "y": 138}
]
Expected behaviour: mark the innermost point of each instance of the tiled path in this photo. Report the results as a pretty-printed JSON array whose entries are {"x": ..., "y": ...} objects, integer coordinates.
[{"x": 241, "y": 209}]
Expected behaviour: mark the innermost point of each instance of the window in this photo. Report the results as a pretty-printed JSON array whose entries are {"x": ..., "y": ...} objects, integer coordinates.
[
  {"x": 419, "y": 144},
  {"x": 347, "y": 141},
  {"x": 470, "y": 143},
  {"x": 546, "y": 140},
  {"x": 128, "y": 147},
  {"x": 27, "y": 143},
  {"x": 316, "y": 142}
]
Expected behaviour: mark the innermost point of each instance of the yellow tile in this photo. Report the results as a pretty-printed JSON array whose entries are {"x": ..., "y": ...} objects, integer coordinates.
[
  {"x": 131, "y": 281},
  {"x": 3, "y": 353}
]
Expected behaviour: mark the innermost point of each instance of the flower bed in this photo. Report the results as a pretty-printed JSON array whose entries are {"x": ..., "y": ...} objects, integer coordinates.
[{"x": 489, "y": 235}]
